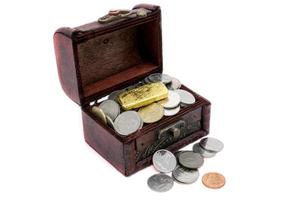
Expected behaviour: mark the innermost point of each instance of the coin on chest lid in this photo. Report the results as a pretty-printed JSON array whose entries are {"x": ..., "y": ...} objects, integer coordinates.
[
  {"x": 151, "y": 113},
  {"x": 164, "y": 161}
]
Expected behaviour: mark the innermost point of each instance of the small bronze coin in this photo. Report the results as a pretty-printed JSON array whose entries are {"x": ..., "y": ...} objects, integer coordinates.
[
  {"x": 213, "y": 180},
  {"x": 151, "y": 113},
  {"x": 98, "y": 112}
]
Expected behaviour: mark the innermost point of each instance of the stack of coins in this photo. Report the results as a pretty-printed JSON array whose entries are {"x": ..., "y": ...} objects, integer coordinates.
[
  {"x": 110, "y": 112},
  {"x": 184, "y": 166}
]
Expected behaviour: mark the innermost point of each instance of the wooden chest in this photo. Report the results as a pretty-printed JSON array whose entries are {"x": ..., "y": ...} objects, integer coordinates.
[{"x": 95, "y": 59}]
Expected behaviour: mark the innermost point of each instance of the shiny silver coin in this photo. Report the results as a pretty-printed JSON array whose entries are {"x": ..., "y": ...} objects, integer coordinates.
[
  {"x": 211, "y": 144},
  {"x": 142, "y": 123},
  {"x": 160, "y": 77},
  {"x": 110, "y": 122},
  {"x": 174, "y": 85},
  {"x": 146, "y": 80},
  {"x": 191, "y": 160},
  {"x": 185, "y": 97},
  {"x": 110, "y": 108},
  {"x": 127, "y": 122},
  {"x": 171, "y": 112},
  {"x": 114, "y": 95},
  {"x": 160, "y": 182},
  {"x": 164, "y": 161},
  {"x": 172, "y": 101},
  {"x": 204, "y": 153},
  {"x": 184, "y": 175}
]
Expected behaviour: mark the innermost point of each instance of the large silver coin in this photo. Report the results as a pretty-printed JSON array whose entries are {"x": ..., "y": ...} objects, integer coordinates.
[
  {"x": 127, "y": 122},
  {"x": 160, "y": 182},
  {"x": 211, "y": 144},
  {"x": 110, "y": 108},
  {"x": 184, "y": 175},
  {"x": 172, "y": 101},
  {"x": 160, "y": 77},
  {"x": 164, "y": 161},
  {"x": 185, "y": 97},
  {"x": 114, "y": 95},
  {"x": 171, "y": 112},
  {"x": 175, "y": 84},
  {"x": 204, "y": 153},
  {"x": 191, "y": 160}
]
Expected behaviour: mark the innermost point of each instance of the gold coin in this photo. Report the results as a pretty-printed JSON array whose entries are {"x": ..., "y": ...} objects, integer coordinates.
[
  {"x": 213, "y": 180},
  {"x": 99, "y": 114},
  {"x": 151, "y": 113}
]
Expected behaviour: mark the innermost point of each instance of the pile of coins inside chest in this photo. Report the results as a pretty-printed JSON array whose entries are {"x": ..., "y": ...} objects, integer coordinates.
[
  {"x": 148, "y": 101},
  {"x": 184, "y": 166}
]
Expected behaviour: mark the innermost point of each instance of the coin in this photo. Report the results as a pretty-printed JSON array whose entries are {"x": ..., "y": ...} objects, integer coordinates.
[
  {"x": 110, "y": 108},
  {"x": 184, "y": 175},
  {"x": 151, "y": 113},
  {"x": 211, "y": 144},
  {"x": 142, "y": 123},
  {"x": 160, "y": 182},
  {"x": 127, "y": 122},
  {"x": 110, "y": 122},
  {"x": 160, "y": 77},
  {"x": 213, "y": 180},
  {"x": 114, "y": 95},
  {"x": 204, "y": 153},
  {"x": 175, "y": 84},
  {"x": 99, "y": 114},
  {"x": 146, "y": 80},
  {"x": 172, "y": 101},
  {"x": 164, "y": 161},
  {"x": 171, "y": 112},
  {"x": 185, "y": 97},
  {"x": 191, "y": 160}
]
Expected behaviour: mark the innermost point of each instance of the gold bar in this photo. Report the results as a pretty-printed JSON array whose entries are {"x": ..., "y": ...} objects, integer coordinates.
[{"x": 143, "y": 95}]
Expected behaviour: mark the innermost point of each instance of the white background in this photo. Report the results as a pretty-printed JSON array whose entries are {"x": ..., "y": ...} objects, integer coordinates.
[{"x": 241, "y": 55}]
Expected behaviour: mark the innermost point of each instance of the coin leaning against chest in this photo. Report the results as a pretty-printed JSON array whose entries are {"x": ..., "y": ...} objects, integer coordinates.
[
  {"x": 127, "y": 122},
  {"x": 110, "y": 108},
  {"x": 160, "y": 182},
  {"x": 185, "y": 175},
  {"x": 164, "y": 161},
  {"x": 151, "y": 113},
  {"x": 191, "y": 160}
]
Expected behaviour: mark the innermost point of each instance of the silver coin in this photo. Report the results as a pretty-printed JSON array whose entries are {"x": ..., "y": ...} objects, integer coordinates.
[
  {"x": 185, "y": 97},
  {"x": 191, "y": 160},
  {"x": 114, "y": 95},
  {"x": 142, "y": 123},
  {"x": 204, "y": 153},
  {"x": 211, "y": 144},
  {"x": 172, "y": 101},
  {"x": 171, "y": 112},
  {"x": 160, "y": 77},
  {"x": 164, "y": 161},
  {"x": 127, "y": 122},
  {"x": 146, "y": 80},
  {"x": 160, "y": 182},
  {"x": 175, "y": 84},
  {"x": 110, "y": 108},
  {"x": 184, "y": 175}
]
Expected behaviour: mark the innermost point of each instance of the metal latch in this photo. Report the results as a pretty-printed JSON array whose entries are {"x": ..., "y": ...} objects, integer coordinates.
[
  {"x": 114, "y": 15},
  {"x": 174, "y": 131}
]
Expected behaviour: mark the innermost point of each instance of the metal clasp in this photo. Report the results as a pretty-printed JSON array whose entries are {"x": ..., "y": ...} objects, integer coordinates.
[{"x": 174, "y": 130}]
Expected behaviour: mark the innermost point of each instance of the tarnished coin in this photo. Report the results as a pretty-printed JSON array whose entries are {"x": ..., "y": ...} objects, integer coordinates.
[
  {"x": 204, "y": 153},
  {"x": 211, "y": 144},
  {"x": 185, "y": 175},
  {"x": 151, "y": 113},
  {"x": 127, "y": 122},
  {"x": 185, "y": 97},
  {"x": 110, "y": 108},
  {"x": 175, "y": 84},
  {"x": 213, "y": 180},
  {"x": 171, "y": 112},
  {"x": 110, "y": 122},
  {"x": 114, "y": 95},
  {"x": 172, "y": 101},
  {"x": 191, "y": 160},
  {"x": 160, "y": 182},
  {"x": 160, "y": 77},
  {"x": 164, "y": 161},
  {"x": 99, "y": 114},
  {"x": 146, "y": 80}
]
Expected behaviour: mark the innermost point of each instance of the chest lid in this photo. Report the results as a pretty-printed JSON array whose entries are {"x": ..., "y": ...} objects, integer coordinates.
[{"x": 97, "y": 58}]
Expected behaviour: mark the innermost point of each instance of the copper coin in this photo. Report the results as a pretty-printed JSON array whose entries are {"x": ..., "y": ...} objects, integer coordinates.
[
  {"x": 213, "y": 180},
  {"x": 151, "y": 113}
]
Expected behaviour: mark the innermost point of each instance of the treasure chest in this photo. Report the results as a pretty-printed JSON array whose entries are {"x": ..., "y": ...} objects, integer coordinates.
[{"x": 117, "y": 51}]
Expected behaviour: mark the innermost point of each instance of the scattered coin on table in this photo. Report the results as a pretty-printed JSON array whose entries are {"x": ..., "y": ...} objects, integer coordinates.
[
  {"x": 191, "y": 160},
  {"x": 164, "y": 161},
  {"x": 185, "y": 175},
  {"x": 211, "y": 144},
  {"x": 160, "y": 182},
  {"x": 213, "y": 180}
]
